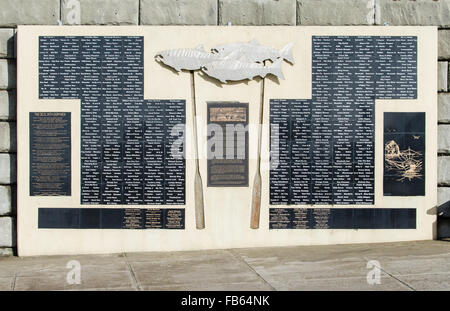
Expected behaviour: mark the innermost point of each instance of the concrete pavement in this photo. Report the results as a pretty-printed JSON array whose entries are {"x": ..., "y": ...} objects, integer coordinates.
[{"x": 405, "y": 266}]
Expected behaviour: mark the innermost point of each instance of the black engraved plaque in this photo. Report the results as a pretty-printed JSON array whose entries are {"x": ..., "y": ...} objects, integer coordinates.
[
  {"x": 322, "y": 149},
  {"x": 111, "y": 218},
  {"x": 126, "y": 142},
  {"x": 50, "y": 154},
  {"x": 342, "y": 218},
  {"x": 227, "y": 144},
  {"x": 404, "y": 154},
  {"x": 132, "y": 218}
]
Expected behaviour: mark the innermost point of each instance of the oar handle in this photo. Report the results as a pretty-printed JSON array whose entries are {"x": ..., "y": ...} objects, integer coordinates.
[
  {"x": 256, "y": 195},
  {"x": 198, "y": 185}
]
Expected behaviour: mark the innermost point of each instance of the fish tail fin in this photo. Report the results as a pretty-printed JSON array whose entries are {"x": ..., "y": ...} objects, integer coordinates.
[
  {"x": 276, "y": 69},
  {"x": 286, "y": 52}
]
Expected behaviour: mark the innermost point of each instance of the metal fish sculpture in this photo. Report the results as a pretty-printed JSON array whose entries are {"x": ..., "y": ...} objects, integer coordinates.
[
  {"x": 254, "y": 52},
  {"x": 236, "y": 70},
  {"x": 187, "y": 59}
]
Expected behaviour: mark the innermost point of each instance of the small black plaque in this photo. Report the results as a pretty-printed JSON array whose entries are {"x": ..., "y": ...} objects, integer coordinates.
[
  {"x": 111, "y": 218},
  {"x": 132, "y": 218},
  {"x": 342, "y": 218},
  {"x": 227, "y": 144},
  {"x": 153, "y": 218},
  {"x": 50, "y": 154},
  {"x": 404, "y": 154}
]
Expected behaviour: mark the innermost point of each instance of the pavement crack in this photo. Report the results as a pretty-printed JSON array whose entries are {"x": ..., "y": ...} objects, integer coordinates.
[
  {"x": 238, "y": 257},
  {"x": 13, "y": 283},
  {"x": 393, "y": 276},
  {"x": 134, "y": 280}
]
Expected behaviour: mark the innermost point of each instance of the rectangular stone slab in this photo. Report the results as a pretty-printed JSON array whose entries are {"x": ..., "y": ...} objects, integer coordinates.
[{"x": 124, "y": 107}]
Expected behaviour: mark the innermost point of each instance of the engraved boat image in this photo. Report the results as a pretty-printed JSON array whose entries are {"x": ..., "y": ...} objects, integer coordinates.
[{"x": 407, "y": 164}]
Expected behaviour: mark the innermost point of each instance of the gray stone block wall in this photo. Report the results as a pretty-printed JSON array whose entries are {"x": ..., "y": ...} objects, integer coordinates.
[
  {"x": 180, "y": 12},
  {"x": 11, "y": 14},
  {"x": 335, "y": 12},
  {"x": 444, "y": 108},
  {"x": 207, "y": 12},
  {"x": 438, "y": 14},
  {"x": 100, "y": 12},
  {"x": 413, "y": 13},
  {"x": 444, "y": 44},
  {"x": 29, "y": 12},
  {"x": 442, "y": 76},
  {"x": 257, "y": 12}
]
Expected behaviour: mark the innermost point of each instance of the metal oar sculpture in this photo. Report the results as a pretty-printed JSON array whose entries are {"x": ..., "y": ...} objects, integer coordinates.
[{"x": 229, "y": 62}]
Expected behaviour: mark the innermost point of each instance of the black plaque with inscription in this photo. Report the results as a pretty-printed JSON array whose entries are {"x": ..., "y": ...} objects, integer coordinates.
[
  {"x": 404, "y": 154},
  {"x": 342, "y": 218},
  {"x": 322, "y": 149},
  {"x": 111, "y": 218},
  {"x": 50, "y": 154},
  {"x": 227, "y": 144},
  {"x": 126, "y": 142}
]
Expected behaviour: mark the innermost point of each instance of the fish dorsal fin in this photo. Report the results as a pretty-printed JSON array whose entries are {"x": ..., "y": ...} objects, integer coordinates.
[
  {"x": 200, "y": 48},
  {"x": 254, "y": 41}
]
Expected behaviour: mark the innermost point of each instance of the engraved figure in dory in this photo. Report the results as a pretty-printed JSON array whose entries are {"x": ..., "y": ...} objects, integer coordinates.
[
  {"x": 187, "y": 59},
  {"x": 236, "y": 70},
  {"x": 252, "y": 51}
]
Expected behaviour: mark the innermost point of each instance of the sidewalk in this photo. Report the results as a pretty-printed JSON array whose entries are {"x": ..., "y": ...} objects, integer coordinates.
[{"x": 404, "y": 266}]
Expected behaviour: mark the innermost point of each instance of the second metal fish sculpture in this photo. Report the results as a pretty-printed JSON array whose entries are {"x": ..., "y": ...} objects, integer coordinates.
[
  {"x": 229, "y": 62},
  {"x": 252, "y": 51},
  {"x": 187, "y": 59},
  {"x": 236, "y": 70}
]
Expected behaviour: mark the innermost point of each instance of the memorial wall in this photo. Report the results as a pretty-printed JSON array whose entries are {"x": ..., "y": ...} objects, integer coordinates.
[{"x": 120, "y": 152}]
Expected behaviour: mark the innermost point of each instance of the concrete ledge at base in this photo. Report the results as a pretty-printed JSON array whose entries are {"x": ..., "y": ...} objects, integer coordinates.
[
  {"x": 7, "y": 74},
  {"x": 443, "y": 169},
  {"x": 444, "y": 108},
  {"x": 29, "y": 12},
  {"x": 7, "y": 232},
  {"x": 8, "y": 166},
  {"x": 413, "y": 13},
  {"x": 5, "y": 201},
  {"x": 416, "y": 265},
  {"x": 257, "y": 12},
  {"x": 100, "y": 12},
  {"x": 335, "y": 12},
  {"x": 442, "y": 76},
  {"x": 180, "y": 12},
  {"x": 443, "y": 138},
  {"x": 444, "y": 44},
  {"x": 7, "y": 42}
]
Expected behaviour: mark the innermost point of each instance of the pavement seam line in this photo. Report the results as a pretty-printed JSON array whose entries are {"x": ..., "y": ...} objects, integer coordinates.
[
  {"x": 237, "y": 256},
  {"x": 394, "y": 277},
  {"x": 13, "y": 283},
  {"x": 134, "y": 280}
]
